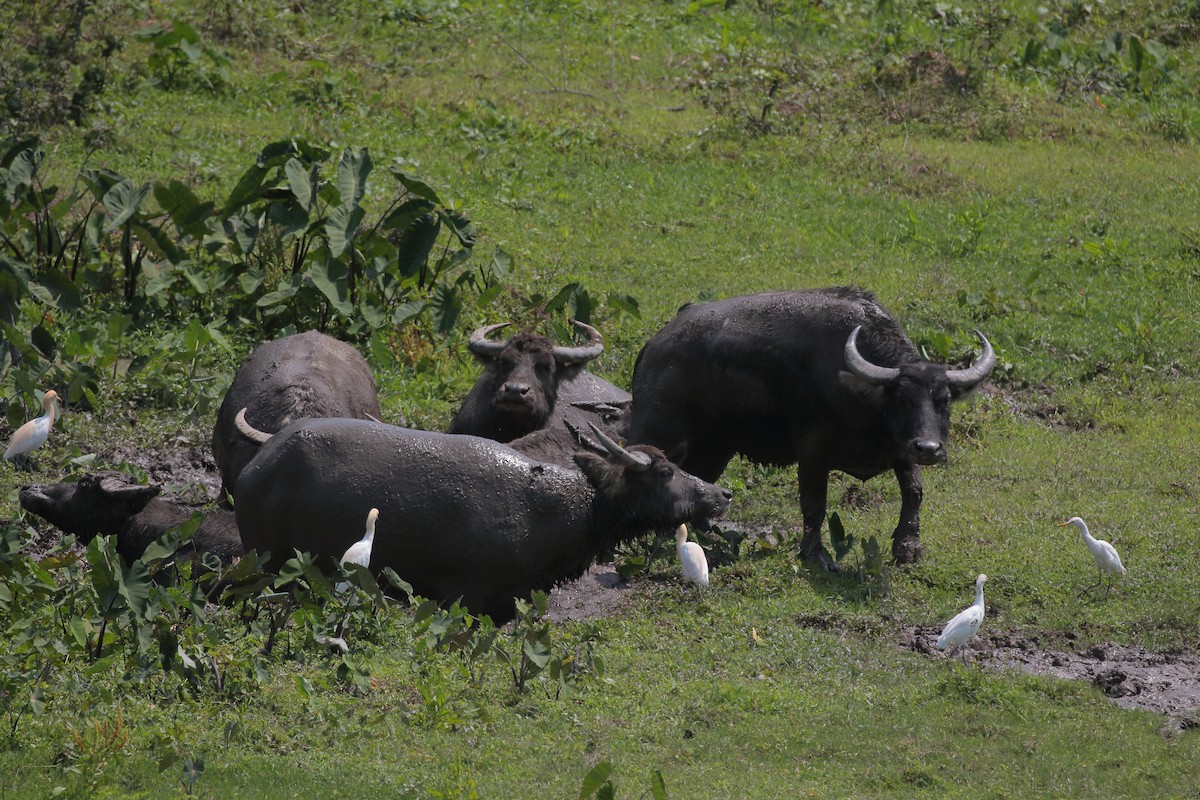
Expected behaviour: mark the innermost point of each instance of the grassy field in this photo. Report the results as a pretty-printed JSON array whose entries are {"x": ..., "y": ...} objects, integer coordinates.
[{"x": 639, "y": 149}]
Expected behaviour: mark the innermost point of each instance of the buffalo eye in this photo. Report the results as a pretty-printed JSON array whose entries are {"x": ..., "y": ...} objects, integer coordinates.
[{"x": 665, "y": 471}]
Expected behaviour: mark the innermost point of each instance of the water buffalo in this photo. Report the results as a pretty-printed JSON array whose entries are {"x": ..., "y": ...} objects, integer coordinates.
[
  {"x": 460, "y": 517},
  {"x": 824, "y": 379},
  {"x": 112, "y": 504},
  {"x": 529, "y": 384},
  {"x": 304, "y": 375}
]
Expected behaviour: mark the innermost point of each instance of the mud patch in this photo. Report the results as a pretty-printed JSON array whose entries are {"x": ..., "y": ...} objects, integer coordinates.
[
  {"x": 1133, "y": 677},
  {"x": 185, "y": 470},
  {"x": 599, "y": 592}
]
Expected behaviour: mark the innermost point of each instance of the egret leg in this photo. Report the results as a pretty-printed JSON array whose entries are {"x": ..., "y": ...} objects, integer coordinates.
[{"x": 1099, "y": 582}]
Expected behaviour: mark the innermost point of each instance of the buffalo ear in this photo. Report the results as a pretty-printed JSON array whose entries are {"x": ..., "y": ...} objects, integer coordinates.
[
  {"x": 961, "y": 393},
  {"x": 677, "y": 453},
  {"x": 133, "y": 493},
  {"x": 600, "y": 472},
  {"x": 569, "y": 370},
  {"x": 871, "y": 392}
]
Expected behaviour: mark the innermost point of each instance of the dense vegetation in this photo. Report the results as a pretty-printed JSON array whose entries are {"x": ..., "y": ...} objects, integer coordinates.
[{"x": 178, "y": 183}]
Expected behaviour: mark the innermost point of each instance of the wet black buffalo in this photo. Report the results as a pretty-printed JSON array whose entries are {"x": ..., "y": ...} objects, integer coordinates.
[
  {"x": 112, "y": 504},
  {"x": 824, "y": 379},
  {"x": 529, "y": 384},
  {"x": 295, "y": 377},
  {"x": 460, "y": 517}
]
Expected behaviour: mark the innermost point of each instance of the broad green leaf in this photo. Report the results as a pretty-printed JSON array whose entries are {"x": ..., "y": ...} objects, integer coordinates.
[
  {"x": 55, "y": 289},
  {"x": 178, "y": 200},
  {"x": 122, "y": 202},
  {"x": 461, "y": 227},
  {"x": 278, "y": 296},
  {"x": 302, "y": 182},
  {"x": 249, "y": 188},
  {"x": 536, "y": 652},
  {"x": 331, "y": 279},
  {"x": 157, "y": 241},
  {"x": 444, "y": 307},
  {"x": 1137, "y": 54},
  {"x": 243, "y": 228},
  {"x": 217, "y": 336},
  {"x": 352, "y": 174},
  {"x": 79, "y": 631},
  {"x": 624, "y": 303},
  {"x": 290, "y": 216},
  {"x": 341, "y": 226},
  {"x": 658, "y": 787},
  {"x": 21, "y": 174},
  {"x": 408, "y": 311},
  {"x": 43, "y": 340},
  {"x": 416, "y": 243},
  {"x": 416, "y": 186},
  {"x": 595, "y": 778},
  {"x": 372, "y": 312},
  {"x": 100, "y": 181},
  {"x": 406, "y": 214}
]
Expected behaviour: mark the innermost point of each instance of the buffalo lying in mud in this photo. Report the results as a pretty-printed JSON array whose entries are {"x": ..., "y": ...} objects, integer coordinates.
[
  {"x": 531, "y": 384},
  {"x": 460, "y": 517},
  {"x": 296, "y": 377},
  {"x": 111, "y": 504},
  {"x": 824, "y": 379}
]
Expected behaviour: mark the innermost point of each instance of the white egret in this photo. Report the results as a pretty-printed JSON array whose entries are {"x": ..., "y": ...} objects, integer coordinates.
[
  {"x": 959, "y": 630},
  {"x": 360, "y": 552},
  {"x": 33, "y": 434},
  {"x": 1103, "y": 553},
  {"x": 691, "y": 557}
]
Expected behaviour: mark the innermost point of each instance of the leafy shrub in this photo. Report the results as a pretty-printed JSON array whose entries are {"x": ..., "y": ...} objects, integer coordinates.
[
  {"x": 54, "y": 64},
  {"x": 180, "y": 58},
  {"x": 292, "y": 247}
]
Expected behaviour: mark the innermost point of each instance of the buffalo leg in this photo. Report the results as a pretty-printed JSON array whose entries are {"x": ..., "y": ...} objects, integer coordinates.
[
  {"x": 906, "y": 543},
  {"x": 814, "y": 485}
]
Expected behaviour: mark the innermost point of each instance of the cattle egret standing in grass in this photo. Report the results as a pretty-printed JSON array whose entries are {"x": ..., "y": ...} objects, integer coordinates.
[
  {"x": 691, "y": 557},
  {"x": 959, "y": 630},
  {"x": 360, "y": 552},
  {"x": 1104, "y": 554},
  {"x": 33, "y": 434}
]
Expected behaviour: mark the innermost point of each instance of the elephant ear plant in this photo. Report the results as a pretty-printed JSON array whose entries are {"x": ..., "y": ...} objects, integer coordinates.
[{"x": 301, "y": 241}]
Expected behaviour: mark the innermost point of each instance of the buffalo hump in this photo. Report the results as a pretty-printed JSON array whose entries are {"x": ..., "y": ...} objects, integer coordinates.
[{"x": 301, "y": 376}]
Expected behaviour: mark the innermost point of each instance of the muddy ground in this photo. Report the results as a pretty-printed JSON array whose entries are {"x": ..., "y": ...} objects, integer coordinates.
[
  {"x": 1132, "y": 677},
  {"x": 1163, "y": 682}
]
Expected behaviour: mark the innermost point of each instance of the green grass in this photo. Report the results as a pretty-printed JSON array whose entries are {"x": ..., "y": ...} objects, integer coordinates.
[{"x": 1069, "y": 238}]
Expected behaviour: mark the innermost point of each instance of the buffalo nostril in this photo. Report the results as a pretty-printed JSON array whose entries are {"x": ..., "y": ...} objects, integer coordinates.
[
  {"x": 516, "y": 388},
  {"x": 728, "y": 495},
  {"x": 926, "y": 447}
]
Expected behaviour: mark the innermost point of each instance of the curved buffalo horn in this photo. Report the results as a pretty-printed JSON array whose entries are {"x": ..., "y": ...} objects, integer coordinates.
[
  {"x": 968, "y": 377},
  {"x": 480, "y": 345},
  {"x": 865, "y": 369},
  {"x": 248, "y": 430},
  {"x": 578, "y": 355},
  {"x": 639, "y": 462}
]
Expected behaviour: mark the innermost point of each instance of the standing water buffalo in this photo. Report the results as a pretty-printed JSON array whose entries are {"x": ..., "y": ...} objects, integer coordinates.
[
  {"x": 459, "y": 516},
  {"x": 824, "y": 379},
  {"x": 300, "y": 376},
  {"x": 530, "y": 384}
]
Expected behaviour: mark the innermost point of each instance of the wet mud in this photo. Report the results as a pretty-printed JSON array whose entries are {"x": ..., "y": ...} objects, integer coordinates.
[{"x": 1132, "y": 677}]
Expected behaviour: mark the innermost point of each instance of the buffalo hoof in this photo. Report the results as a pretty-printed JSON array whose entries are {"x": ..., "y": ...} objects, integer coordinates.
[
  {"x": 821, "y": 559},
  {"x": 906, "y": 550}
]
